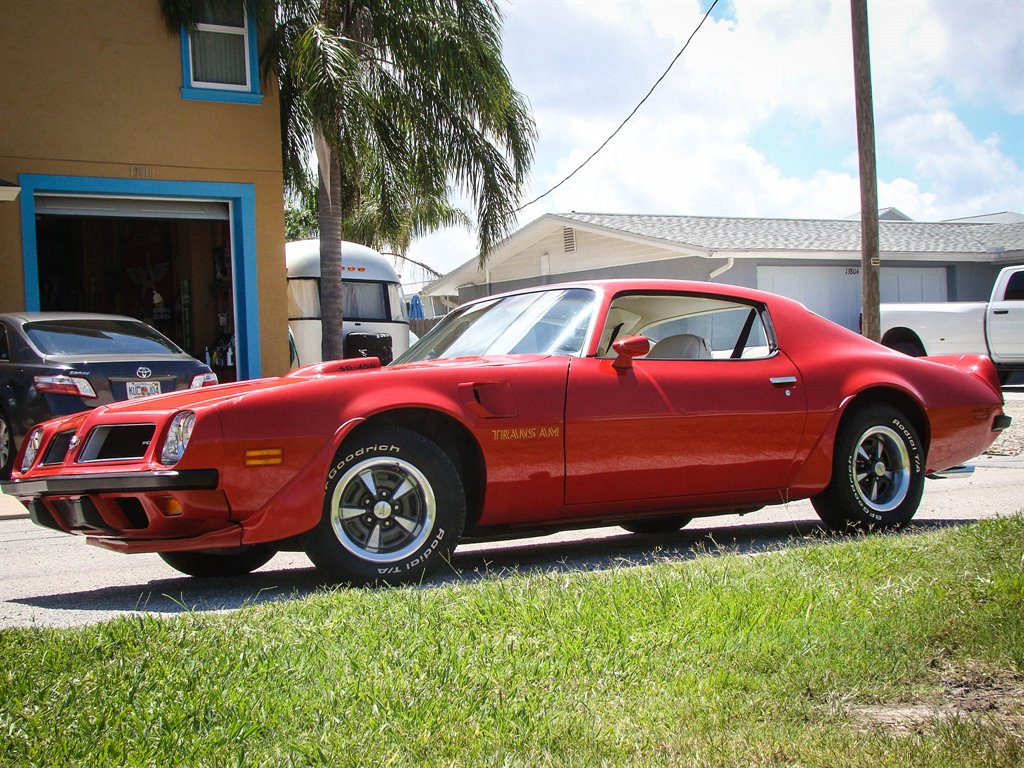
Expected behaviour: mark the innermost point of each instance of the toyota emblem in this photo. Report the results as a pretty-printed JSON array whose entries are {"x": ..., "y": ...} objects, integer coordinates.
[{"x": 144, "y": 373}]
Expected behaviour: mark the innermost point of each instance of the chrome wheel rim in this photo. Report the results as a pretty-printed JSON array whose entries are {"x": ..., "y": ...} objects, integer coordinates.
[
  {"x": 881, "y": 469},
  {"x": 383, "y": 510},
  {"x": 5, "y": 444}
]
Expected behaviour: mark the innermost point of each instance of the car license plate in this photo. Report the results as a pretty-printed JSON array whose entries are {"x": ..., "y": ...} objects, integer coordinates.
[{"x": 137, "y": 389}]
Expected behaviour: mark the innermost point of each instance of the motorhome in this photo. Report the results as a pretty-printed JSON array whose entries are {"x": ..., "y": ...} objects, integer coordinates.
[{"x": 376, "y": 323}]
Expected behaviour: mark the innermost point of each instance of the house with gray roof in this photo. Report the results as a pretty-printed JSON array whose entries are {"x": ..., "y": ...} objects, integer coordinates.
[{"x": 815, "y": 261}]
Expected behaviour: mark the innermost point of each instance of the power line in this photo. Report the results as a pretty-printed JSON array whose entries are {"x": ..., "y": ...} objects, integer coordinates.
[{"x": 629, "y": 116}]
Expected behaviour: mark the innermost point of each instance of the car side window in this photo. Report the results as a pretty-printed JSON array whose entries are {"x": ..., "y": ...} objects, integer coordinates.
[
  {"x": 1015, "y": 287},
  {"x": 687, "y": 327}
]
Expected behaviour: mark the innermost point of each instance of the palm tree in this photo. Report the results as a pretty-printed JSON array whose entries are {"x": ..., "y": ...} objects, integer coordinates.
[{"x": 404, "y": 102}]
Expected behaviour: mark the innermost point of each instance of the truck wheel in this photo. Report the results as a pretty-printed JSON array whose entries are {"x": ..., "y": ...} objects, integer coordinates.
[
  {"x": 911, "y": 348},
  {"x": 225, "y": 563},
  {"x": 394, "y": 509},
  {"x": 877, "y": 472}
]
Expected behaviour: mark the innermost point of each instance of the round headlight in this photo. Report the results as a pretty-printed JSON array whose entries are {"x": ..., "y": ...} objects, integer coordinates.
[
  {"x": 32, "y": 443},
  {"x": 178, "y": 435}
]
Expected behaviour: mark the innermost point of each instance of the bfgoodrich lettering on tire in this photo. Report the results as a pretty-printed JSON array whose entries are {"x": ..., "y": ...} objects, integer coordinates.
[
  {"x": 877, "y": 472},
  {"x": 394, "y": 508}
]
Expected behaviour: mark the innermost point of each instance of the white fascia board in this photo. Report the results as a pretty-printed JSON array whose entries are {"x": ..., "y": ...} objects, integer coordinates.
[
  {"x": 939, "y": 256},
  {"x": 675, "y": 248},
  {"x": 471, "y": 273}
]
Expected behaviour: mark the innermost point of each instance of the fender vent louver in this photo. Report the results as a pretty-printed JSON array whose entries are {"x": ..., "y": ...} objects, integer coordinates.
[{"x": 569, "y": 239}]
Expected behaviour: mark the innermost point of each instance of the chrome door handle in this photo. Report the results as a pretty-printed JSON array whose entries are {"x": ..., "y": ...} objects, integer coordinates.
[{"x": 783, "y": 381}]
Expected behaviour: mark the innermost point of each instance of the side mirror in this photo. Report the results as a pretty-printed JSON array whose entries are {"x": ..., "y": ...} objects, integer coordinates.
[{"x": 628, "y": 348}]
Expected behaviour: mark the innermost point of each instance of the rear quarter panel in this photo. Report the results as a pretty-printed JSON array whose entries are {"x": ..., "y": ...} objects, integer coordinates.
[{"x": 840, "y": 368}]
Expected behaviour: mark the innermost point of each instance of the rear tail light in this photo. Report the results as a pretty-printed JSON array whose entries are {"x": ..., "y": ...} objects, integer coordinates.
[
  {"x": 64, "y": 385},
  {"x": 203, "y": 380}
]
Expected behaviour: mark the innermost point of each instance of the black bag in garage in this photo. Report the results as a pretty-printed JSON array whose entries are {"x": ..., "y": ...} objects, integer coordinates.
[{"x": 369, "y": 345}]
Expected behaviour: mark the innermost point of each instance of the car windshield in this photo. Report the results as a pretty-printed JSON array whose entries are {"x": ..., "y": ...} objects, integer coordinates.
[
  {"x": 97, "y": 337},
  {"x": 543, "y": 323}
]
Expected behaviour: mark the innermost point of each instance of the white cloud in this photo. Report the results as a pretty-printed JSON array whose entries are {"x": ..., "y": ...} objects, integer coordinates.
[{"x": 756, "y": 118}]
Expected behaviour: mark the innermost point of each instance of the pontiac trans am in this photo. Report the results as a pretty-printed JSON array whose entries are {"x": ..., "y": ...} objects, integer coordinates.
[{"x": 642, "y": 403}]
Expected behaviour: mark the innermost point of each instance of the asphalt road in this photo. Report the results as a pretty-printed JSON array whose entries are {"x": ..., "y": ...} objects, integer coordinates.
[{"x": 52, "y": 579}]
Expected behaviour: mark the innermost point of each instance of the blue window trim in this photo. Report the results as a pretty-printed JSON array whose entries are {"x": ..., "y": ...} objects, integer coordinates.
[
  {"x": 241, "y": 199},
  {"x": 252, "y": 96}
]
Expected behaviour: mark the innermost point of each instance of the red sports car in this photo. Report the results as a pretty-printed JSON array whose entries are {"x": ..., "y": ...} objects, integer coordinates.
[{"x": 637, "y": 402}]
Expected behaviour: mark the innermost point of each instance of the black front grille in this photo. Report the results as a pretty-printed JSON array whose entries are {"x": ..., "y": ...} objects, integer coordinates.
[
  {"x": 58, "y": 448},
  {"x": 119, "y": 442}
]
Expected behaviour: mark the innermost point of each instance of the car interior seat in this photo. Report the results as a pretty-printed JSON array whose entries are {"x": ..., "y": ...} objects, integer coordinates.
[{"x": 682, "y": 346}]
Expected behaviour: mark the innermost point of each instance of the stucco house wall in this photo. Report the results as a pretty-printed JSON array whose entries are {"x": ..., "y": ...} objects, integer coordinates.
[{"x": 92, "y": 104}]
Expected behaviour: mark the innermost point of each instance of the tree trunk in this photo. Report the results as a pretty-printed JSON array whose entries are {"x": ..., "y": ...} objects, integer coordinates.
[
  {"x": 329, "y": 220},
  {"x": 870, "y": 261}
]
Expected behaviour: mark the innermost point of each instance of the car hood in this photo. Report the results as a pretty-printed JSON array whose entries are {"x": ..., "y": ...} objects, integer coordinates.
[{"x": 337, "y": 370}]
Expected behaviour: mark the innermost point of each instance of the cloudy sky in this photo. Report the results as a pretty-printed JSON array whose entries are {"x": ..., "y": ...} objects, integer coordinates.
[{"x": 757, "y": 116}]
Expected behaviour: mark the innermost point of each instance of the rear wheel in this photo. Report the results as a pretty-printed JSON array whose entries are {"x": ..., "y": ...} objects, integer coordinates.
[
  {"x": 394, "y": 508},
  {"x": 669, "y": 524},
  {"x": 6, "y": 447},
  {"x": 220, "y": 563},
  {"x": 877, "y": 472}
]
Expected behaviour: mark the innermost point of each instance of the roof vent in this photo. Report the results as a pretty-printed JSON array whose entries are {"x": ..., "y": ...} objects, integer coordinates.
[{"x": 568, "y": 240}]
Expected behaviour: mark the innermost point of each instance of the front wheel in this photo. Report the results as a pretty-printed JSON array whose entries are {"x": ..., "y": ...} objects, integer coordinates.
[
  {"x": 394, "y": 508},
  {"x": 219, "y": 563},
  {"x": 877, "y": 472}
]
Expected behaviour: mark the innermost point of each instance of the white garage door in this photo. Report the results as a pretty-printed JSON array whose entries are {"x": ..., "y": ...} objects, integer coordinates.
[{"x": 834, "y": 292}]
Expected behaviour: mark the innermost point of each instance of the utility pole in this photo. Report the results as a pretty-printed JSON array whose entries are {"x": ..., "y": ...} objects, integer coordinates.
[{"x": 869, "y": 258}]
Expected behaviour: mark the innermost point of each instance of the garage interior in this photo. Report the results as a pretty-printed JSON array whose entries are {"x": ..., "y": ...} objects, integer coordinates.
[{"x": 164, "y": 262}]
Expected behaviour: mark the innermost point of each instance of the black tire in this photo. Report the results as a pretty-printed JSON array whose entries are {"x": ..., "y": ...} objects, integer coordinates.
[
  {"x": 669, "y": 524},
  {"x": 877, "y": 472},
  {"x": 911, "y": 348},
  {"x": 1005, "y": 377},
  {"x": 221, "y": 563},
  {"x": 394, "y": 509},
  {"x": 6, "y": 447}
]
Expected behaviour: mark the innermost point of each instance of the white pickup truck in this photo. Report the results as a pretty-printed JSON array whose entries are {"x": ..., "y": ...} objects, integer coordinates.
[{"x": 994, "y": 327}]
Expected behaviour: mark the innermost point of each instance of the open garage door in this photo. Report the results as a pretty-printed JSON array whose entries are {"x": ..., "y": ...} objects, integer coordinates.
[{"x": 166, "y": 262}]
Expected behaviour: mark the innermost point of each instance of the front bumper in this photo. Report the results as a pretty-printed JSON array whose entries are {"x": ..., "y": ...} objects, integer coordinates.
[
  {"x": 128, "y": 482},
  {"x": 154, "y": 511}
]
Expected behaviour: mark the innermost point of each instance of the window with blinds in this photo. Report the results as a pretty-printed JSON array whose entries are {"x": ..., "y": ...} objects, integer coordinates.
[{"x": 219, "y": 46}]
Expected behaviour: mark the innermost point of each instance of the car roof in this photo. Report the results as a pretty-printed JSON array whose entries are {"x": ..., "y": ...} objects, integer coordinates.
[{"x": 617, "y": 285}]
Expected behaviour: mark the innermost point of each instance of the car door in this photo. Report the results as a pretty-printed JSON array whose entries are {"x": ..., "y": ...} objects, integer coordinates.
[
  {"x": 1005, "y": 321},
  {"x": 674, "y": 428}
]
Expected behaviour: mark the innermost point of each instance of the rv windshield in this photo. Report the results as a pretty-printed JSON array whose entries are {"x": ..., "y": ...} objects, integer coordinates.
[{"x": 542, "y": 323}]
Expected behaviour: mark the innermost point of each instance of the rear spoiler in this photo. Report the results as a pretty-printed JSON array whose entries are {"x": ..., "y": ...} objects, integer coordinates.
[{"x": 979, "y": 366}]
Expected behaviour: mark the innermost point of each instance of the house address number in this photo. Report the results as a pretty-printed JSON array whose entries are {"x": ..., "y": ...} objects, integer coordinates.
[
  {"x": 142, "y": 172},
  {"x": 853, "y": 270}
]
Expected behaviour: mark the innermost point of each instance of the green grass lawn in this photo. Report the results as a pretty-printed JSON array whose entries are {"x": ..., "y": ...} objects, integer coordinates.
[{"x": 904, "y": 650}]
